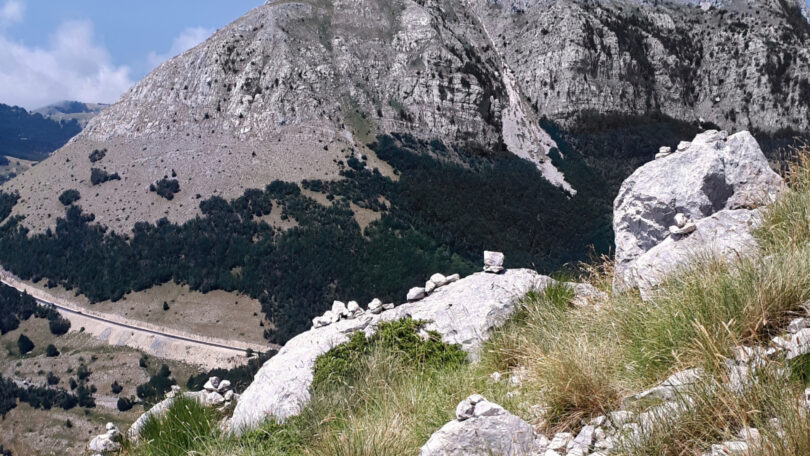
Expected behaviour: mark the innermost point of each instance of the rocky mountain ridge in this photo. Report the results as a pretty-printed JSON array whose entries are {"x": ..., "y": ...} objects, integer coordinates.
[{"x": 292, "y": 86}]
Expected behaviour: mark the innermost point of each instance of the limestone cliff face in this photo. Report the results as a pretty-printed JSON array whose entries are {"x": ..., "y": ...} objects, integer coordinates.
[
  {"x": 286, "y": 90},
  {"x": 740, "y": 65}
]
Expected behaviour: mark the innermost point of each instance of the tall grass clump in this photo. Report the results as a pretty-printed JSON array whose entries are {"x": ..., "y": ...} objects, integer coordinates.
[{"x": 185, "y": 427}]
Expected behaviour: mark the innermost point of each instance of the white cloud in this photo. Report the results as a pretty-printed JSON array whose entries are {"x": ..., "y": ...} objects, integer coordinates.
[
  {"x": 11, "y": 11},
  {"x": 187, "y": 39},
  {"x": 71, "y": 67}
]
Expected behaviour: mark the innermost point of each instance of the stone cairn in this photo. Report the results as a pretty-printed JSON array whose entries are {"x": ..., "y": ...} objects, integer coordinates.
[
  {"x": 682, "y": 226},
  {"x": 218, "y": 393},
  {"x": 493, "y": 263},
  {"x": 107, "y": 443}
]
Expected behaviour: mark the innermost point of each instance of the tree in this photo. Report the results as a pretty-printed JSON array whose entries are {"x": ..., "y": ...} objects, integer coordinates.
[
  {"x": 116, "y": 388},
  {"x": 59, "y": 325},
  {"x": 52, "y": 379},
  {"x": 143, "y": 361},
  {"x": 69, "y": 197},
  {"x": 24, "y": 344},
  {"x": 125, "y": 404},
  {"x": 165, "y": 305},
  {"x": 51, "y": 351}
]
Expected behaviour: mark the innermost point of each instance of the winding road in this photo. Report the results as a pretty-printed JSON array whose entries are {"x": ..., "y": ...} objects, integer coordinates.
[{"x": 158, "y": 340}]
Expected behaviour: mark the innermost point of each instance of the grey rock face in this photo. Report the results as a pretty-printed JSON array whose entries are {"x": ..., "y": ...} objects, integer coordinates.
[
  {"x": 483, "y": 429},
  {"x": 724, "y": 235},
  {"x": 570, "y": 57},
  {"x": 463, "y": 312},
  {"x": 712, "y": 173}
]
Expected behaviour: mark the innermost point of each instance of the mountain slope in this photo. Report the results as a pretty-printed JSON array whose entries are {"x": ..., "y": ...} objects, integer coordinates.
[
  {"x": 72, "y": 110},
  {"x": 31, "y": 136}
]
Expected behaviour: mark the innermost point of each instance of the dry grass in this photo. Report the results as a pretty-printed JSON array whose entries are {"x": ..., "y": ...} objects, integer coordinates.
[{"x": 582, "y": 362}]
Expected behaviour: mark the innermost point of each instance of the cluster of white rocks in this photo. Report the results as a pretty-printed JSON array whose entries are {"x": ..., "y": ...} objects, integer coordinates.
[
  {"x": 352, "y": 310},
  {"x": 107, "y": 443},
  {"x": 436, "y": 281},
  {"x": 218, "y": 393}
]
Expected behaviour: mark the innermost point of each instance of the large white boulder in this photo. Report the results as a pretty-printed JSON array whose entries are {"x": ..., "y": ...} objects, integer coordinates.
[
  {"x": 463, "y": 312},
  {"x": 724, "y": 235},
  {"x": 484, "y": 429},
  {"x": 712, "y": 173}
]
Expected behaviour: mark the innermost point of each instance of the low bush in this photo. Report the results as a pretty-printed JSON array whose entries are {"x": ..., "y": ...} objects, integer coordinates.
[{"x": 69, "y": 197}]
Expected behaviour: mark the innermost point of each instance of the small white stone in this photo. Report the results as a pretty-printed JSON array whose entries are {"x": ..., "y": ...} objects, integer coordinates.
[
  {"x": 375, "y": 306},
  {"x": 438, "y": 279},
  {"x": 212, "y": 384},
  {"x": 466, "y": 408},
  {"x": 354, "y": 308},
  {"x": 228, "y": 395},
  {"x": 452, "y": 278},
  {"x": 495, "y": 376},
  {"x": 388, "y": 306},
  {"x": 339, "y": 308},
  {"x": 560, "y": 441},
  {"x": 493, "y": 262},
  {"x": 430, "y": 286},
  {"x": 486, "y": 408},
  {"x": 415, "y": 294},
  {"x": 224, "y": 385}
]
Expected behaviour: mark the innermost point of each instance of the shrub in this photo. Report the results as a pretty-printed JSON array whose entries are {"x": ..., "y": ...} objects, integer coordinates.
[
  {"x": 51, "y": 351},
  {"x": 59, "y": 325},
  {"x": 166, "y": 188},
  {"x": 165, "y": 305},
  {"x": 99, "y": 176},
  {"x": 125, "y": 404},
  {"x": 97, "y": 155},
  {"x": 52, "y": 379},
  {"x": 24, "y": 344},
  {"x": 69, "y": 197},
  {"x": 400, "y": 337},
  {"x": 116, "y": 388}
]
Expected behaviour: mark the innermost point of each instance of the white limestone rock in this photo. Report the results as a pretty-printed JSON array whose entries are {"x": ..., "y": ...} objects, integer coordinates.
[
  {"x": 438, "y": 279},
  {"x": 339, "y": 308},
  {"x": 724, "y": 235},
  {"x": 375, "y": 306},
  {"x": 484, "y": 430},
  {"x": 430, "y": 286},
  {"x": 353, "y": 309},
  {"x": 462, "y": 312},
  {"x": 714, "y": 172},
  {"x": 673, "y": 386},
  {"x": 493, "y": 262},
  {"x": 212, "y": 384},
  {"x": 415, "y": 294}
]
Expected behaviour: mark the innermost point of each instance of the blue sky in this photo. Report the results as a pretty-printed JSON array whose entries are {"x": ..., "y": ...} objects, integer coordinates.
[{"x": 93, "y": 50}]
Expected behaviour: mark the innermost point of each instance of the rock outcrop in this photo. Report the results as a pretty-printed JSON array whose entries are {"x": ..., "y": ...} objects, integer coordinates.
[
  {"x": 463, "y": 312},
  {"x": 106, "y": 444},
  {"x": 724, "y": 235},
  {"x": 481, "y": 428},
  {"x": 713, "y": 173}
]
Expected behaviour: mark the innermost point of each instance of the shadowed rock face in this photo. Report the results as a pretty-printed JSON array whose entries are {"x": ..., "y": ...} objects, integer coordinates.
[
  {"x": 713, "y": 172},
  {"x": 284, "y": 91}
]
